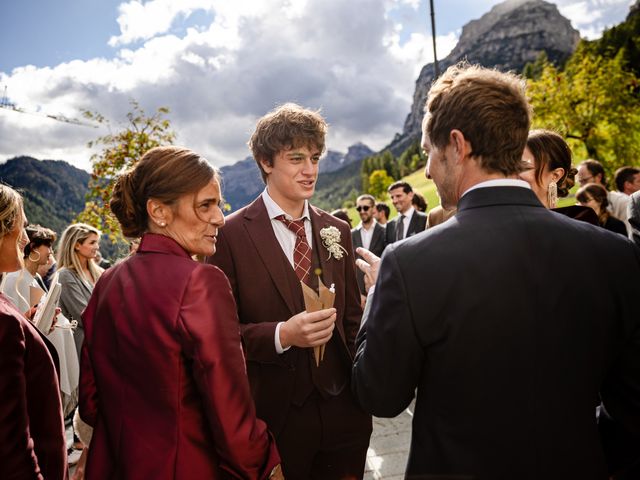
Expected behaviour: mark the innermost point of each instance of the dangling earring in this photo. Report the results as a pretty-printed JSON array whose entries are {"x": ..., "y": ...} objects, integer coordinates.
[
  {"x": 31, "y": 259},
  {"x": 552, "y": 194}
]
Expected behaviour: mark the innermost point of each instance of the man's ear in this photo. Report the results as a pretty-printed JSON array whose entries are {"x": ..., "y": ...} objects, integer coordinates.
[
  {"x": 159, "y": 212},
  {"x": 460, "y": 145},
  {"x": 267, "y": 166},
  {"x": 598, "y": 178}
]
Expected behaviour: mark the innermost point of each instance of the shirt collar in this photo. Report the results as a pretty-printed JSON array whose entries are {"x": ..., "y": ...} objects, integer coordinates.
[
  {"x": 274, "y": 210},
  {"x": 408, "y": 213},
  {"x": 373, "y": 225},
  {"x": 499, "y": 182}
]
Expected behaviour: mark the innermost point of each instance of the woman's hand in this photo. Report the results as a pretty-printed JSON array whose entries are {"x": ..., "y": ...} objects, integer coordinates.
[{"x": 31, "y": 313}]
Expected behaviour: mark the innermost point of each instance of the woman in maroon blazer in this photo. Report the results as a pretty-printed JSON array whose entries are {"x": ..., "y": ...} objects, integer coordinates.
[
  {"x": 32, "y": 444},
  {"x": 163, "y": 379}
]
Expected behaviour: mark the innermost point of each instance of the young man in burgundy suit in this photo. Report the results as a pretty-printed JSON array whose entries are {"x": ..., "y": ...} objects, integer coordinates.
[{"x": 267, "y": 249}]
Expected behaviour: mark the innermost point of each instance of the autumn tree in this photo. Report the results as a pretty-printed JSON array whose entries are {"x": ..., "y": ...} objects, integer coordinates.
[
  {"x": 594, "y": 103},
  {"x": 379, "y": 181},
  {"x": 119, "y": 152}
]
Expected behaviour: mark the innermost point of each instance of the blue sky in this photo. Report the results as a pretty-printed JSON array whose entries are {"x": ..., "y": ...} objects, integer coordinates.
[{"x": 218, "y": 65}]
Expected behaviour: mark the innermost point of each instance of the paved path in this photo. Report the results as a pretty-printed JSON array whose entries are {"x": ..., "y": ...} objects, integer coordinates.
[{"x": 389, "y": 447}]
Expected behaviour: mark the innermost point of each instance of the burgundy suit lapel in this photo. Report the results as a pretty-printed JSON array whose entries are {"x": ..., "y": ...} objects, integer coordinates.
[
  {"x": 260, "y": 231},
  {"x": 327, "y": 265},
  {"x": 331, "y": 272}
]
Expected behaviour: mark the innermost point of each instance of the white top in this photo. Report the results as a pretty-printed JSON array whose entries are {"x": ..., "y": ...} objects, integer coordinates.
[
  {"x": 618, "y": 206},
  {"x": 18, "y": 288},
  {"x": 367, "y": 234},
  {"x": 287, "y": 240}
]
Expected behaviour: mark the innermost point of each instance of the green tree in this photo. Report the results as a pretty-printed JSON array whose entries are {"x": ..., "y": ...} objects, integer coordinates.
[
  {"x": 120, "y": 151},
  {"x": 535, "y": 69},
  {"x": 379, "y": 181},
  {"x": 594, "y": 103}
]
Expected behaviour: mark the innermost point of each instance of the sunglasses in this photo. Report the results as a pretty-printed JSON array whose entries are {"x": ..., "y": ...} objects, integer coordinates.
[{"x": 363, "y": 208}]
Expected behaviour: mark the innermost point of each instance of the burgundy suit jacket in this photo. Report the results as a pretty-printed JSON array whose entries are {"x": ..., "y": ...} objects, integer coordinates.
[
  {"x": 267, "y": 291},
  {"x": 163, "y": 378},
  {"x": 32, "y": 443}
]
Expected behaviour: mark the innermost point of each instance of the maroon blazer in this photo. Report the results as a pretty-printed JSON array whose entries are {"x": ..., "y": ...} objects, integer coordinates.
[
  {"x": 267, "y": 291},
  {"x": 162, "y": 377},
  {"x": 32, "y": 442}
]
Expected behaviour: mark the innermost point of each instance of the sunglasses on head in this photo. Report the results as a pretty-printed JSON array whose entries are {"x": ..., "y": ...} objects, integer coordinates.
[{"x": 362, "y": 208}]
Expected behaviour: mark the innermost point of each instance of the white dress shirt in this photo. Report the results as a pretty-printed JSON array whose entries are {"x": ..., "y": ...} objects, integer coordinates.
[
  {"x": 367, "y": 234},
  {"x": 499, "y": 182},
  {"x": 286, "y": 238}
]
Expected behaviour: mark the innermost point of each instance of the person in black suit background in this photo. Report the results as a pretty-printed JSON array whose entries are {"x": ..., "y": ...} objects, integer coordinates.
[
  {"x": 483, "y": 317},
  {"x": 413, "y": 221},
  {"x": 634, "y": 217},
  {"x": 369, "y": 234}
]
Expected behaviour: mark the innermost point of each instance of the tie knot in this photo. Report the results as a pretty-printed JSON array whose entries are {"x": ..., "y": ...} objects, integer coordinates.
[{"x": 296, "y": 226}]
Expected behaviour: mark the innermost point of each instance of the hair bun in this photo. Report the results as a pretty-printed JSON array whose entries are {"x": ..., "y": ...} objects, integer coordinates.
[{"x": 125, "y": 206}]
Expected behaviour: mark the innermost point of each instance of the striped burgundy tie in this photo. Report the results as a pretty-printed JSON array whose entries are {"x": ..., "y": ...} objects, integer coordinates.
[{"x": 302, "y": 250}]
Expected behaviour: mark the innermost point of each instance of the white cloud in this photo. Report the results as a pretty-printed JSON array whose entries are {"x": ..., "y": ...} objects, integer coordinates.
[
  {"x": 591, "y": 17},
  {"x": 352, "y": 59},
  {"x": 217, "y": 81}
]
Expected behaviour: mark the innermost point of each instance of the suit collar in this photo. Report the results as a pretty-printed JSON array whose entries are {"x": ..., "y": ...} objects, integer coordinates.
[
  {"x": 274, "y": 210},
  {"x": 153, "y": 242},
  {"x": 495, "y": 196},
  {"x": 258, "y": 226}
]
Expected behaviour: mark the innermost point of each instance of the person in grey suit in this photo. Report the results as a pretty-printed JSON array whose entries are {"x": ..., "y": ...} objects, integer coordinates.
[
  {"x": 77, "y": 273},
  {"x": 412, "y": 221},
  {"x": 634, "y": 216},
  {"x": 369, "y": 234},
  {"x": 507, "y": 340}
]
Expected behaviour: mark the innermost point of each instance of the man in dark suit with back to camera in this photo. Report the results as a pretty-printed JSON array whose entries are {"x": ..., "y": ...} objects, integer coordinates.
[
  {"x": 508, "y": 337},
  {"x": 369, "y": 234},
  {"x": 267, "y": 249},
  {"x": 409, "y": 221}
]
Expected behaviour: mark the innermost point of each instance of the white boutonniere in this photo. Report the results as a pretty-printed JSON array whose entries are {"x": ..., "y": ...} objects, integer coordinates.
[{"x": 331, "y": 241}]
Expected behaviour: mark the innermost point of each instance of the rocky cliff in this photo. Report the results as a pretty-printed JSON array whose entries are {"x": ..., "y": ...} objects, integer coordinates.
[
  {"x": 508, "y": 37},
  {"x": 333, "y": 161}
]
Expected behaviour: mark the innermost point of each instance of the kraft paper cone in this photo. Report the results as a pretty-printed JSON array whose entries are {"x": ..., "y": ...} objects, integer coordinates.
[
  {"x": 312, "y": 303},
  {"x": 327, "y": 297}
]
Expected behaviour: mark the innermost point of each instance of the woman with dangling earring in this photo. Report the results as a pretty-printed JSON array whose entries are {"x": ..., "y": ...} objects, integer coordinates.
[
  {"x": 547, "y": 168},
  {"x": 25, "y": 288}
]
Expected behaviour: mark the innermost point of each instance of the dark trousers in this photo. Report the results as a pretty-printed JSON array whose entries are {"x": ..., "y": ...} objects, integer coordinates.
[{"x": 325, "y": 439}]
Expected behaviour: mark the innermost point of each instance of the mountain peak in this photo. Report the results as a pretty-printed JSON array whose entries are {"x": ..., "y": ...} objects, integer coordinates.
[{"x": 512, "y": 34}]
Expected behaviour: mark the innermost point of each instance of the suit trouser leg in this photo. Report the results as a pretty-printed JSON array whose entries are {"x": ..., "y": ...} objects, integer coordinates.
[
  {"x": 325, "y": 439},
  {"x": 345, "y": 439},
  {"x": 299, "y": 439}
]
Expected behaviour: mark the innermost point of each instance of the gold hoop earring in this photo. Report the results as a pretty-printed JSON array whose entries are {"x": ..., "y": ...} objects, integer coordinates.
[
  {"x": 552, "y": 194},
  {"x": 31, "y": 259}
]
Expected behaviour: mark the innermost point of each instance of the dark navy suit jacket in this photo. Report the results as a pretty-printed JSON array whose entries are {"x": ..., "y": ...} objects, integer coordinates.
[{"x": 511, "y": 322}]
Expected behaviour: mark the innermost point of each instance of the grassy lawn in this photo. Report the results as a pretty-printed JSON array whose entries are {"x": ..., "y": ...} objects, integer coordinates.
[{"x": 427, "y": 188}]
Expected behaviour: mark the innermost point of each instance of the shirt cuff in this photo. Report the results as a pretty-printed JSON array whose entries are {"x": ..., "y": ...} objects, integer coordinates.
[{"x": 279, "y": 348}]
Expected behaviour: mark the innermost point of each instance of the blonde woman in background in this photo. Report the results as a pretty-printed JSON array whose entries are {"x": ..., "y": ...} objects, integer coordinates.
[{"x": 77, "y": 272}]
